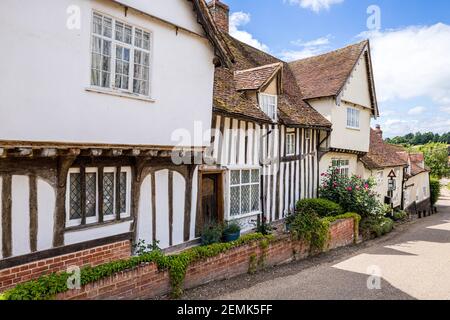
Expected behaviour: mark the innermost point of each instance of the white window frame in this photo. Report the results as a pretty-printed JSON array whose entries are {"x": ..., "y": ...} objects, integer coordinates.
[
  {"x": 274, "y": 105},
  {"x": 132, "y": 47},
  {"x": 290, "y": 143},
  {"x": 380, "y": 178},
  {"x": 252, "y": 213},
  {"x": 353, "y": 118},
  {"x": 106, "y": 218},
  {"x": 341, "y": 167}
]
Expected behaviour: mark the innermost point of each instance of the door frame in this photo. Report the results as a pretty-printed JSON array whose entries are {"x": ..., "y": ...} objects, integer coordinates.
[{"x": 220, "y": 173}]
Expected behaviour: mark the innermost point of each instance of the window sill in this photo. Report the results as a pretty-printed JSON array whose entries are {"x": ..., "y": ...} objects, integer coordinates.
[
  {"x": 119, "y": 94},
  {"x": 97, "y": 224},
  {"x": 243, "y": 216},
  {"x": 354, "y": 128}
]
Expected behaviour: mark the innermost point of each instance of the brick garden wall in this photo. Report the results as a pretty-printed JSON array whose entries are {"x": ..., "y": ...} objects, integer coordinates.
[
  {"x": 146, "y": 281},
  {"x": 94, "y": 256}
]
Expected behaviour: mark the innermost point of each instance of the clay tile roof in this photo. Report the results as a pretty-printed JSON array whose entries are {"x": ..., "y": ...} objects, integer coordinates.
[
  {"x": 228, "y": 98},
  {"x": 381, "y": 154},
  {"x": 325, "y": 75},
  {"x": 255, "y": 78}
]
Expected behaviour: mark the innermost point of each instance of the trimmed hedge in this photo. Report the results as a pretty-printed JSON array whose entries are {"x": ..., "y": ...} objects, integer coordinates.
[
  {"x": 323, "y": 207},
  {"x": 48, "y": 286},
  {"x": 435, "y": 190}
]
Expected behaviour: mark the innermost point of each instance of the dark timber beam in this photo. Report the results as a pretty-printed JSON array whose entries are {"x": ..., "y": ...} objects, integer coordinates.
[{"x": 6, "y": 216}]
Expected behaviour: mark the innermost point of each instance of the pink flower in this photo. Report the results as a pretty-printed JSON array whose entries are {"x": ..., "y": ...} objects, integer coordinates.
[
  {"x": 349, "y": 189},
  {"x": 357, "y": 188},
  {"x": 323, "y": 174},
  {"x": 366, "y": 186},
  {"x": 334, "y": 184}
]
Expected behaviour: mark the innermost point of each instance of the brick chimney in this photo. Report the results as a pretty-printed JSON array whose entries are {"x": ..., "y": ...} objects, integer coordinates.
[
  {"x": 379, "y": 131},
  {"x": 220, "y": 13}
]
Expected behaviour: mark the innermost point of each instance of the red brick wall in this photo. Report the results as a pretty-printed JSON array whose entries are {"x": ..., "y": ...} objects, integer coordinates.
[
  {"x": 94, "y": 256},
  {"x": 146, "y": 281}
]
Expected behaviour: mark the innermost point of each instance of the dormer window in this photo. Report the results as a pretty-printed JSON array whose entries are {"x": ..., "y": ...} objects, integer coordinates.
[{"x": 268, "y": 103}]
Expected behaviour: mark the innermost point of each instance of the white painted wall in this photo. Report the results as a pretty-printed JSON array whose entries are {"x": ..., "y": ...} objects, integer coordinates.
[
  {"x": 50, "y": 65},
  {"x": 194, "y": 204},
  {"x": 99, "y": 232},
  {"x": 20, "y": 211},
  {"x": 326, "y": 161},
  {"x": 357, "y": 89},
  {"x": 178, "y": 12},
  {"x": 144, "y": 227},
  {"x": 179, "y": 189},
  {"x": 415, "y": 192},
  {"x": 341, "y": 136},
  {"x": 46, "y": 198},
  {"x": 162, "y": 207}
]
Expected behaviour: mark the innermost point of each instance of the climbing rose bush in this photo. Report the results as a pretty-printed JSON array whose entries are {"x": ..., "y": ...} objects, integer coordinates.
[{"x": 354, "y": 194}]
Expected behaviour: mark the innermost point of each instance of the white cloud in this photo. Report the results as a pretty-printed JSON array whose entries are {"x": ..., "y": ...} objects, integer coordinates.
[
  {"x": 314, "y": 5},
  {"x": 445, "y": 109},
  {"x": 386, "y": 113},
  {"x": 239, "y": 19},
  {"x": 412, "y": 62},
  {"x": 416, "y": 111},
  {"x": 308, "y": 49},
  {"x": 396, "y": 127}
]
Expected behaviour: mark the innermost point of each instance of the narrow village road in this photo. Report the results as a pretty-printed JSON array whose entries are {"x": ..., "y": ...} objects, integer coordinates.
[{"x": 413, "y": 261}]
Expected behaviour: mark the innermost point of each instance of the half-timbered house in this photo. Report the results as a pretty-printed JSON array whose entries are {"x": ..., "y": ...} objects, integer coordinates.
[
  {"x": 91, "y": 94},
  {"x": 265, "y": 141}
]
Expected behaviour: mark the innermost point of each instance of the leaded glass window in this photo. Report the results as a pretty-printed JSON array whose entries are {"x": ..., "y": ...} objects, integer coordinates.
[
  {"x": 244, "y": 192},
  {"x": 75, "y": 196},
  {"x": 108, "y": 193},
  {"x": 123, "y": 192},
  {"x": 91, "y": 194}
]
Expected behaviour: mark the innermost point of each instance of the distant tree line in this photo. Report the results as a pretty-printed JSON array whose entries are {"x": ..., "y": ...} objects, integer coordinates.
[{"x": 415, "y": 139}]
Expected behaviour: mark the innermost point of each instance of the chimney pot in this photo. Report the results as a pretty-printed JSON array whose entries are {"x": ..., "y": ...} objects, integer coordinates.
[{"x": 379, "y": 131}]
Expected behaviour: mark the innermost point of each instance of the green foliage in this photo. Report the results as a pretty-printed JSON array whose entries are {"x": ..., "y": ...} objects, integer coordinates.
[
  {"x": 212, "y": 234},
  {"x": 262, "y": 226},
  {"x": 420, "y": 138},
  {"x": 400, "y": 215},
  {"x": 308, "y": 226},
  {"x": 376, "y": 226},
  {"x": 232, "y": 227},
  {"x": 435, "y": 190},
  {"x": 323, "y": 207},
  {"x": 436, "y": 158},
  {"x": 47, "y": 286},
  {"x": 141, "y": 247},
  {"x": 448, "y": 186},
  {"x": 353, "y": 194}
]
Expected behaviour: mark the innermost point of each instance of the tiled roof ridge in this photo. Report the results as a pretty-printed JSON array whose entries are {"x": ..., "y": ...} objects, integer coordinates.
[{"x": 259, "y": 68}]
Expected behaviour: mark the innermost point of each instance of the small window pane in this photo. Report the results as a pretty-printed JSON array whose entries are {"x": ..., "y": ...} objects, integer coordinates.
[
  {"x": 108, "y": 193},
  {"x": 255, "y": 197},
  {"x": 245, "y": 176},
  {"x": 75, "y": 196},
  {"x": 245, "y": 199},
  {"x": 255, "y": 175},
  {"x": 97, "y": 24},
  {"x": 235, "y": 200},
  {"x": 107, "y": 27},
  {"x": 123, "y": 192},
  {"x": 91, "y": 194},
  {"x": 235, "y": 177}
]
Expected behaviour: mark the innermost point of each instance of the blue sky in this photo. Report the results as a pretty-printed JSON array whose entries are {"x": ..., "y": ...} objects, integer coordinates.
[{"x": 410, "y": 48}]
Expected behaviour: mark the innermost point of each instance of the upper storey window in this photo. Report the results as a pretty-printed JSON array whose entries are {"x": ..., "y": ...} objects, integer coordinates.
[
  {"x": 120, "y": 56},
  {"x": 268, "y": 103},
  {"x": 352, "y": 118}
]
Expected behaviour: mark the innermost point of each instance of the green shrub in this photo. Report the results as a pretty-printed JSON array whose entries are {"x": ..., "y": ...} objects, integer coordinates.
[
  {"x": 322, "y": 207},
  {"x": 308, "y": 226},
  {"x": 212, "y": 234},
  {"x": 400, "y": 215},
  {"x": 376, "y": 226},
  {"x": 353, "y": 194},
  {"x": 435, "y": 190}
]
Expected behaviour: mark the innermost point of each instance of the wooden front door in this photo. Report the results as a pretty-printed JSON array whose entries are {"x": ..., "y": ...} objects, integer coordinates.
[{"x": 211, "y": 197}]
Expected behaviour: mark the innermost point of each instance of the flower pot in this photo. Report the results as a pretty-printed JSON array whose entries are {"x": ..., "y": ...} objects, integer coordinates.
[{"x": 228, "y": 237}]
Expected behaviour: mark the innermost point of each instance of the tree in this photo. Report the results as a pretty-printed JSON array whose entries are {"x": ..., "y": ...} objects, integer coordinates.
[{"x": 436, "y": 157}]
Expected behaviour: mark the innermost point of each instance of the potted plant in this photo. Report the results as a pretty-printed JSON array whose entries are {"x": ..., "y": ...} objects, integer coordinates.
[
  {"x": 232, "y": 231},
  {"x": 211, "y": 234}
]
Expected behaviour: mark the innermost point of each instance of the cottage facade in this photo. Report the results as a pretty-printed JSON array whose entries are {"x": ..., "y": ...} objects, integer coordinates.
[
  {"x": 87, "y": 145},
  {"x": 265, "y": 151},
  {"x": 339, "y": 85}
]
